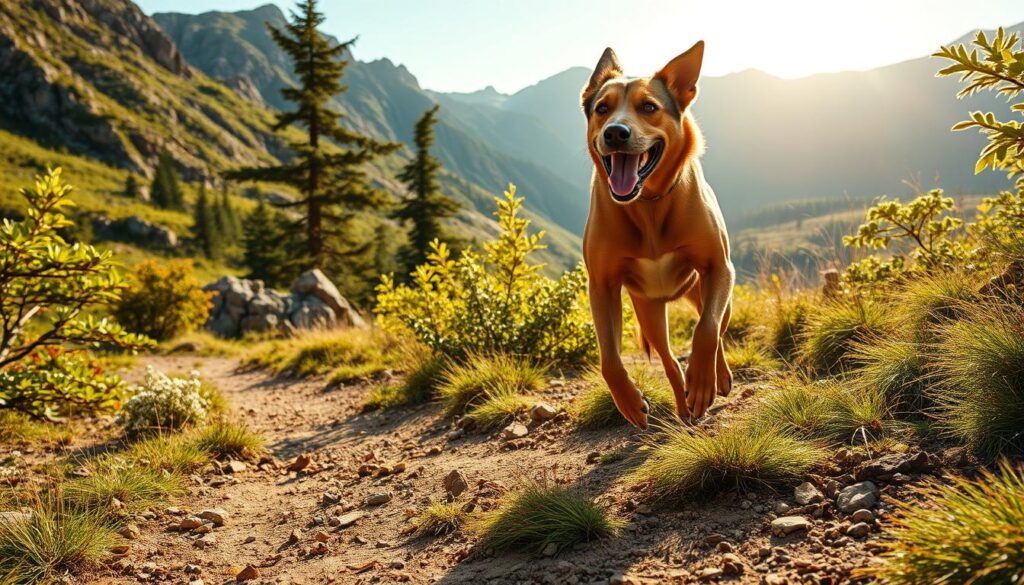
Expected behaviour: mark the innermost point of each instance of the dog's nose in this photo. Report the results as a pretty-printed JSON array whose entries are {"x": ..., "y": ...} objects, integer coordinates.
[{"x": 616, "y": 135}]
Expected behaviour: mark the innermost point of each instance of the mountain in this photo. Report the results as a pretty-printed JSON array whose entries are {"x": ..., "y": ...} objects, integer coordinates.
[{"x": 486, "y": 147}]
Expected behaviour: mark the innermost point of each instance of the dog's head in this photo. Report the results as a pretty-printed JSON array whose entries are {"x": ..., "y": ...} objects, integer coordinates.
[{"x": 635, "y": 125}]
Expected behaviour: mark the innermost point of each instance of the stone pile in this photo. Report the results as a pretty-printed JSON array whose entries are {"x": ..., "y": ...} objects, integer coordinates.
[{"x": 246, "y": 306}]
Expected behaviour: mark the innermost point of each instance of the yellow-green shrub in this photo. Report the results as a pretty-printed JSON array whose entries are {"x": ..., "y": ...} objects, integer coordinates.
[{"x": 164, "y": 300}]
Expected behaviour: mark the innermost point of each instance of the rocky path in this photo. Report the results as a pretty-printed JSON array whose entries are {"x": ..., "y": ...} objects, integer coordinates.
[{"x": 332, "y": 503}]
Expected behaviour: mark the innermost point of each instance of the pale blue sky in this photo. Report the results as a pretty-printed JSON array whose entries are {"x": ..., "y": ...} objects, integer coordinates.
[{"x": 464, "y": 45}]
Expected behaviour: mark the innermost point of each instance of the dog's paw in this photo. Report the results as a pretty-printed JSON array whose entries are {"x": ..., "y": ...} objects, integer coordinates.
[
  {"x": 700, "y": 389},
  {"x": 632, "y": 405},
  {"x": 723, "y": 378}
]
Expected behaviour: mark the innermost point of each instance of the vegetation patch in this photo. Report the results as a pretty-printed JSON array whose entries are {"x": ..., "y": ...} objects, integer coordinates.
[
  {"x": 596, "y": 409},
  {"x": 18, "y": 428},
  {"x": 418, "y": 386},
  {"x": 539, "y": 517},
  {"x": 687, "y": 462},
  {"x": 224, "y": 439},
  {"x": 833, "y": 330},
  {"x": 341, "y": 354},
  {"x": 439, "y": 518},
  {"x": 750, "y": 360},
  {"x": 110, "y": 488},
  {"x": 896, "y": 369},
  {"x": 174, "y": 453},
  {"x": 465, "y": 384},
  {"x": 968, "y": 531},
  {"x": 498, "y": 407}
]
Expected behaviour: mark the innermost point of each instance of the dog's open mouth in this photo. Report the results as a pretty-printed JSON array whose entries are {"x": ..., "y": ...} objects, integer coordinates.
[{"x": 627, "y": 172}]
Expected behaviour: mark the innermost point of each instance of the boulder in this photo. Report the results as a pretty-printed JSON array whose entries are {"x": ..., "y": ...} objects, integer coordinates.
[
  {"x": 312, "y": 313},
  {"x": 315, "y": 283}
]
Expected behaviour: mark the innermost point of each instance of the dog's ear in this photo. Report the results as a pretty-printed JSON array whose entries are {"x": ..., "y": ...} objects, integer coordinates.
[
  {"x": 681, "y": 74},
  {"x": 607, "y": 68}
]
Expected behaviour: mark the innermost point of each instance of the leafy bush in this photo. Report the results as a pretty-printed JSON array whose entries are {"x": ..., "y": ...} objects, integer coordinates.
[
  {"x": 47, "y": 288},
  {"x": 538, "y": 516},
  {"x": 693, "y": 461},
  {"x": 498, "y": 303},
  {"x": 164, "y": 403},
  {"x": 979, "y": 379},
  {"x": 466, "y": 384},
  {"x": 834, "y": 328},
  {"x": 966, "y": 532},
  {"x": 596, "y": 409},
  {"x": 52, "y": 382},
  {"x": 165, "y": 300}
]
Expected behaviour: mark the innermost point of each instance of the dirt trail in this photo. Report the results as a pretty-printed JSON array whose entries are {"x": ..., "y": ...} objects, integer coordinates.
[{"x": 266, "y": 505}]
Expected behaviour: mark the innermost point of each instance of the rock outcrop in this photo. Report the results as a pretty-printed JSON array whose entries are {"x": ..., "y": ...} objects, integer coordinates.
[
  {"x": 246, "y": 306},
  {"x": 135, "y": 230}
]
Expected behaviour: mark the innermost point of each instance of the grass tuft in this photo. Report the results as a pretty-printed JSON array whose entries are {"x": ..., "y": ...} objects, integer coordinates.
[
  {"x": 696, "y": 462},
  {"x": 935, "y": 299},
  {"x": 203, "y": 343},
  {"x": 785, "y": 324},
  {"x": 134, "y": 488},
  {"x": 966, "y": 532},
  {"x": 341, "y": 354},
  {"x": 499, "y": 407},
  {"x": 52, "y": 542},
  {"x": 538, "y": 516},
  {"x": 418, "y": 386},
  {"x": 896, "y": 369},
  {"x": 596, "y": 409},
  {"x": 749, "y": 360},
  {"x": 979, "y": 369},
  {"x": 174, "y": 453},
  {"x": 466, "y": 384},
  {"x": 224, "y": 439},
  {"x": 834, "y": 329},
  {"x": 18, "y": 428},
  {"x": 439, "y": 518}
]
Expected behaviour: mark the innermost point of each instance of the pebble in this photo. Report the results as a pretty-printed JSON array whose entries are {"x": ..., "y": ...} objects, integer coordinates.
[
  {"x": 542, "y": 411},
  {"x": 863, "y": 515},
  {"x": 216, "y": 515},
  {"x": 514, "y": 431},
  {"x": 378, "y": 499},
  {"x": 857, "y": 496},
  {"x": 455, "y": 483},
  {"x": 248, "y": 573},
  {"x": 858, "y": 530},
  {"x": 789, "y": 524},
  {"x": 299, "y": 463},
  {"x": 806, "y": 493},
  {"x": 349, "y": 519}
]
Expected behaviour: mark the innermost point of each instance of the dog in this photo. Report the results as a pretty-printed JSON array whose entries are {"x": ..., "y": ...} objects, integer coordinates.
[{"x": 655, "y": 228}]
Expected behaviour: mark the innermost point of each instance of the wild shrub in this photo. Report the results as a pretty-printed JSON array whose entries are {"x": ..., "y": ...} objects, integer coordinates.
[
  {"x": 49, "y": 290},
  {"x": 689, "y": 461},
  {"x": 164, "y": 404},
  {"x": 979, "y": 379},
  {"x": 52, "y": 382},
  {"x": 538, "y": 516},
  {"x": 495, "y": 303},
  {"x": 466, "y": 384},
  {"x": 165, "y": 300},
  {"x": 834, "y": 328},
  {"x": 966, "y": 531},
  {"x": 596, "y": 409}
]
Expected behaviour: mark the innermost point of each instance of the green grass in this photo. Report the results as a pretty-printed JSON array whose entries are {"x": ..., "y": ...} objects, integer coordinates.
[
  {"x": 439, "y": 518},
  {"x": 17, "y": 428},
  {"x": 465, "y": 384},
  {"x": 417, "y": 387},
  {"x": 979, "y": 379},
  {"x": 828, "y": 410},
  {"x": 833, "y": 329},
  {"x": 596, "y": 409},
  {"x": 935, "y": 299},
  {"x": 693, "y": 462},
  {"x": 896, "y": 369},
  {"x": 342, "y": 354},
  {"x": 784, "y": 324},
  {"x": 224, "y": 439},
  {"x": 498, "y": 407},
  {"x": 206, "y": 343},
  {"x": 968, "y": 531},
  {"x": 535, "y": 517},
  {"x": 134, "y": 487},
  {"x": 750, "y": 360},
  {"x": 175, "y": 453},
  {"x": 53, "y": 542}
]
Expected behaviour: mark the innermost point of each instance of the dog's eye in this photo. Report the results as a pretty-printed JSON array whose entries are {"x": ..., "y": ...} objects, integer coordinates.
[
  {"x": 649, "y": 107},
  {"x": 601, "y": 109}
]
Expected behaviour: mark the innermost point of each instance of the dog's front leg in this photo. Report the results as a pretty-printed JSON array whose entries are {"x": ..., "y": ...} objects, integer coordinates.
[
  {"x": 606, "y": 308},
  {"x": 716, "y": 284}
]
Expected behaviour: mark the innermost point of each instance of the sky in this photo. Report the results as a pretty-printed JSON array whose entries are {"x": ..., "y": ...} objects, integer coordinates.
[{"x": 466, "y": 45}]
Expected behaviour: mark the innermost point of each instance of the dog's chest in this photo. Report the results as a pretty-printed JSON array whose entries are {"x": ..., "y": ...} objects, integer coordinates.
[{"x": 664, "y": 277}]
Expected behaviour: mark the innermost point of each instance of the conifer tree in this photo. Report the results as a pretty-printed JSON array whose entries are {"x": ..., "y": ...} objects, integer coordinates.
[
  {"x": 204, "y": 226},
  {"x": 131, "y": 187},
  {"x": 427, "y": 206},
  {"x": 264, "y": 232},
  {"x": 328, "y": 167},
  {"x": 166, "y": 190},
  {"x": 227, "y": 219}
]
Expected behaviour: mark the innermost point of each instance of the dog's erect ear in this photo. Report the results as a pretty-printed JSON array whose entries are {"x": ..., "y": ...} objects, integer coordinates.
[
  {"x": 681, "y": 74},
  {"x": 607, "y": 68}
]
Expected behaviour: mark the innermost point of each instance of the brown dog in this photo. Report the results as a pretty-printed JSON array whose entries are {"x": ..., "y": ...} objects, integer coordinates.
[{"x": 655, "y": 228}]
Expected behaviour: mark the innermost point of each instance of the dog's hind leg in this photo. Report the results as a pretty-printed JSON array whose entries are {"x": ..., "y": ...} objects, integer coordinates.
[{"x": 653, "y": 318}]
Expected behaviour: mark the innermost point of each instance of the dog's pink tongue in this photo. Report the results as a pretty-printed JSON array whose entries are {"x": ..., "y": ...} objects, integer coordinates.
[{"x": 625, "y": 173}]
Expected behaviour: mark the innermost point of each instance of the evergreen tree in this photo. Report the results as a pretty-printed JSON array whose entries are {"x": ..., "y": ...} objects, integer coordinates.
[
  {"x": 131, "y": 187},
  {"x": 329, "y": 160},
  {"x": 427, "y": 206},
  {"x": 204, "y": 226},
  {"x": 266, "y": 253},
  {"x": 228, "y": 222},
  {"x": 166, "y": 191}
]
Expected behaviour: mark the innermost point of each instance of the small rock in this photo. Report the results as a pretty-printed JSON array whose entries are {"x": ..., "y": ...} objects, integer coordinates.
[
  {"x": 321, "y": 536},
  {"x": 732, "y": 564},
  {"x": 857, "y": 496},
  {"x": 295, "y": 536},
  {"x": 248, "y": 573},
  {"x": 806, "y": 493},
  {"x": 542, "y": 411},
  {"x": 723, "y": 547},
  {"x": 330, "y": 497},
  {"x": 858, "y": 530},
  {"x": 130, "y": 531},
  {"x": 233, "y": 466},
  {"x": 216, "y": 515},
  {"x": 299, "y": 463},
  {"x": 207, "y": 540},
  {"x": 789, "y": 524},
  {"x": 249, "y": 539},
  {"x": 396, "y": 565},
  {"x": 190, "y": 523},
  {"x": 378, "y": 499},
  {"x": 514, "y": 431},
  {"x": 550, "y": 549},
  {"x": 455, "y": 483},
  {"x": 863, "y": 516},
  {"x": 782, "y": 507},
  {"x": 193, "y": 569},
  {"x": 710, "y": 574},
  {"x": 349, "y": 519}
]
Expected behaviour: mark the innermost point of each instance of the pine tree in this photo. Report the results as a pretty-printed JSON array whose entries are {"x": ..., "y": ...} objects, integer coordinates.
[
  {"x": 131, "y": 187},
  {"x": 204, "y": 228},
  {"x": 427, "y": 206},
  {"x": 227, "y": 219},
  {"x": 328, "y": 167},
  {"x": 266, "y": 255},
  {"x": 166, "y": 191}
]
